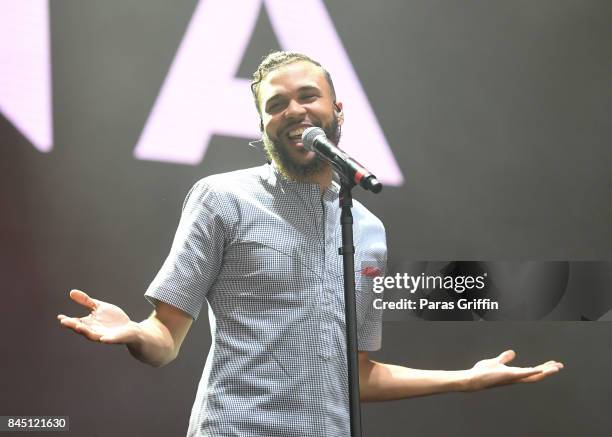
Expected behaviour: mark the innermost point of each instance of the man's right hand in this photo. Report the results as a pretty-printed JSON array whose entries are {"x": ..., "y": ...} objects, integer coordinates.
[{"x": 106, "y": 323}]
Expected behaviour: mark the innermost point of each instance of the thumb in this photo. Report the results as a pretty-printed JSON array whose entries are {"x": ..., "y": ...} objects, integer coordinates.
[
  {"x": 506, "y": 356},
  {"x": 83, "y": 298}
]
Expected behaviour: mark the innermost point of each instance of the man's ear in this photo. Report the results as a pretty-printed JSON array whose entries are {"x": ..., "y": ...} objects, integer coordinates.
[{"x": 338, "y": 112}]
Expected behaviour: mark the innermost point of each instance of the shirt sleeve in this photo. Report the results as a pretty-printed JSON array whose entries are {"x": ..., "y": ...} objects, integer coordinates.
[
  {"x": 195, "y": 257},
  {"x": 369, "y": 334}
]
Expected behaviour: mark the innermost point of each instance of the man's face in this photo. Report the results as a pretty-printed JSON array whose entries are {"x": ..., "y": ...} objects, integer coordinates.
[{"x": 292, "y": 98}]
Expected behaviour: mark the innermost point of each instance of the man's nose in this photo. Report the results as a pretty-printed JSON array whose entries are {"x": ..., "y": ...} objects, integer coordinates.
[{"x": 295, "y": 110}]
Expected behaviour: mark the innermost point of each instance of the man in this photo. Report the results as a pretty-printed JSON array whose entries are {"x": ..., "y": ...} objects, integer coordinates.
[{"x": 260, "y": 246}]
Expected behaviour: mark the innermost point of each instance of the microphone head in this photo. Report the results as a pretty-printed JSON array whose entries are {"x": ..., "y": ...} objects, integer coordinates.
[
  {"x": 374, "y": 185},
  {"x": 310, "y": 135}
]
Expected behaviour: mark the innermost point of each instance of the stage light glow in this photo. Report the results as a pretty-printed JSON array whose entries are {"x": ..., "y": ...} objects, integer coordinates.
[
  {"x": 25, "y": 70},
  {"x": 201, "y": 95}
]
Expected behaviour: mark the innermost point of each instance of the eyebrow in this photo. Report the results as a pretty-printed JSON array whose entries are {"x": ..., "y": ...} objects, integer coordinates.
[{"x": 300, "y": 89}]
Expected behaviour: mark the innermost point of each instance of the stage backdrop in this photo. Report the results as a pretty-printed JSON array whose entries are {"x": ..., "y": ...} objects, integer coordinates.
[{"x": 488, "y": 121}]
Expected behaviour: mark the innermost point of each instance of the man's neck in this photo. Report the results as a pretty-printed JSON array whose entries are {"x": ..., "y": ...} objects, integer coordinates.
[{"x": 323, "y": 178}]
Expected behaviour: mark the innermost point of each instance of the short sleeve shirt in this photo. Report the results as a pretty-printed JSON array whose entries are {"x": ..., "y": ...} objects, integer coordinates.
[{"x": 262, "y": 251}]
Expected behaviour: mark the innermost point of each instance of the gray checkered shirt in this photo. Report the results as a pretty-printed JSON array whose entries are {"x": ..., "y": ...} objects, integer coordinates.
[{"x": 263, "y": 252}]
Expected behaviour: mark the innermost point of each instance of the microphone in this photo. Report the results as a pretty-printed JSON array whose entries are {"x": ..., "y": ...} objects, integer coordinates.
[{"x": 314, "y": 140}]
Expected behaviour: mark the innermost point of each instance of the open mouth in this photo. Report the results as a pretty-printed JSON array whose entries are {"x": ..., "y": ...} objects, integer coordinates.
[{"x": 295, "y": 134}]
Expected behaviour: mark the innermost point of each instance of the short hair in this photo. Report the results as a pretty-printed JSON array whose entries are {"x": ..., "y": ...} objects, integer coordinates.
[{"x": 274, "y": 61}]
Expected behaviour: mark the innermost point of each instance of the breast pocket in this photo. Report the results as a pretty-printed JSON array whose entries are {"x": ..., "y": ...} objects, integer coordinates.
[{"x": 262, "y": 277}]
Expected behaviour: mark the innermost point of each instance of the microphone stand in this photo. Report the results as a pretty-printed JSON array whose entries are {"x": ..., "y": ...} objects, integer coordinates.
[
  {"x": 351, "y": 173},
  {"x": 348, "y": 257}
]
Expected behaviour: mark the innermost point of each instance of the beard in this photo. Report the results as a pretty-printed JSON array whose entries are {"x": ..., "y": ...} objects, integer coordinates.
[{"x": 278, "y": 152}]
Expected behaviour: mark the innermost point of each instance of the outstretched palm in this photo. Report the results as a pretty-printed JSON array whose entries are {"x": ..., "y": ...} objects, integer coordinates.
[
  {"x": 106, "y": 323},
  {"x": 494, "y": 371}
]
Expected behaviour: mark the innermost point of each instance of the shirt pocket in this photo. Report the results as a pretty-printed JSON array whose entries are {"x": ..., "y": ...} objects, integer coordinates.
[{"x": 267, "y": 275}]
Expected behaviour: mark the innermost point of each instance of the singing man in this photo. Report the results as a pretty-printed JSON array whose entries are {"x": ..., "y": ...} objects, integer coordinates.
[{"x": 260, "y": 247}]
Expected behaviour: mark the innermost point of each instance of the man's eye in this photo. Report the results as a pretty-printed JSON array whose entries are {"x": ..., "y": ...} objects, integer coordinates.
[
  {"x": 309, "y": 97},
  {"x": 275, "y": 107}
]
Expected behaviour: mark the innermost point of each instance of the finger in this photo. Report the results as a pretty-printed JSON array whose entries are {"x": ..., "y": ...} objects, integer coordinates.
[
  {"x": 525, "y": 372},
  {"x": 82, "y": 298},
  {"x": 68, "y": 322},
  {"x": 87, "y": 332},
  {"x": 513, "y": 375},
  {"x": 551, "y": 369},
  {"x": 552, "y": 363},
  {"x": 554, "y": 366},
  {"x": 506, "y": 356},
  {"x": 80, "y": 328},
  {"x": 540, "y": 376},
  {"x": 545, "y": 369}
]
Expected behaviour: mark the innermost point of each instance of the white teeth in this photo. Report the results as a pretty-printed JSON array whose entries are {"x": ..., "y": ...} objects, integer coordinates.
[{"x": 298, "y": 131}]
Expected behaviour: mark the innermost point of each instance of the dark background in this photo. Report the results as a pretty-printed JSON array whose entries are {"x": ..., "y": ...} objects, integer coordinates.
[{"x": 498, "y": 114}]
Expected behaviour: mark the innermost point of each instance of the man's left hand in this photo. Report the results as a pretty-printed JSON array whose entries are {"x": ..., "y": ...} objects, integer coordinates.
[{"x": 494, "y": 372}]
